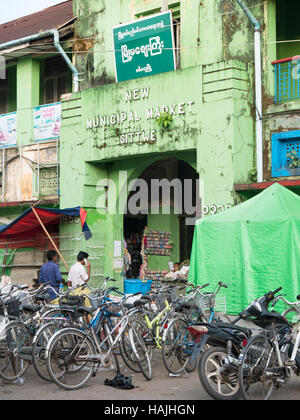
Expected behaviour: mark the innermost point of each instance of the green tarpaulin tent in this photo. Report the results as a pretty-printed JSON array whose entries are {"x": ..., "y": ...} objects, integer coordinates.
[{"x": 254, "y": 246}]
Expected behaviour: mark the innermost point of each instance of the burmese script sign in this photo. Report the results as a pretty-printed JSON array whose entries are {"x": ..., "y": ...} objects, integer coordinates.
[
  {"x": 124, "y": 119},
  {"x": 47, "y": 122},
  {"x": 8, "y": 129},
  {"x": 144, "y": 47}
]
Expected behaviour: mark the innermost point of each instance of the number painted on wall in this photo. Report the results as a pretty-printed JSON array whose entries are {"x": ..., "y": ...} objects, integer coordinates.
[
  {"x": 69, "y": 220},
  {"x": 214, "y": 209}
]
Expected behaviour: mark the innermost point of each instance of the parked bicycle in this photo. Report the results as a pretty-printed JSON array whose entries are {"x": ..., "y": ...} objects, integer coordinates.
[
  {"x": 270, "y": 357},
  {"x": 73, "y": 355},
  {"x": 178, "y": 341}
]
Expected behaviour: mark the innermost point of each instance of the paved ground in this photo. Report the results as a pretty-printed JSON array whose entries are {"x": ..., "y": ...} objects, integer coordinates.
[{"x": 161, "y": 387}]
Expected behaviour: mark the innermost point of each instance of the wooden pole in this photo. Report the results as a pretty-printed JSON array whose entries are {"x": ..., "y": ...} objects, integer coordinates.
[{"x": 51, "y": 240}]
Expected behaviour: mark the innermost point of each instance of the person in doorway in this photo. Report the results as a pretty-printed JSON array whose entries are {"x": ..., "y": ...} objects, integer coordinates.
[
  {"x": 78, "y": 276},
  {"x": 49, "y": 273},
  {"x": 176, "y": 267}
]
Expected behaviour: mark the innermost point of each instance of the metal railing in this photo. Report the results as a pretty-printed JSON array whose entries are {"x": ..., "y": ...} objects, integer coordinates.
[{"x": 287, "y": 79}]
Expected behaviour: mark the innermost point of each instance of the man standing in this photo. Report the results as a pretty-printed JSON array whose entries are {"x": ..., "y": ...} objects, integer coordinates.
[
  {"x": 49, "y": 273},
  {"x": 77, "y": 274}
]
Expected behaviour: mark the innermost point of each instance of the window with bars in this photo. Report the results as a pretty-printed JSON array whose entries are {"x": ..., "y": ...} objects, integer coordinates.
[
  {"x": 48, "y": 179},
  {"x": 286, "y": 154}
]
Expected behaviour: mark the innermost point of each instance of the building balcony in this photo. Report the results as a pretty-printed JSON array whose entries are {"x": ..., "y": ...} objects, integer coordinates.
[{"x": 287, "y": 79}]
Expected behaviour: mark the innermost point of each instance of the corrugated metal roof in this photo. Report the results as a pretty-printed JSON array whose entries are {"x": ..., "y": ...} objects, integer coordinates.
[{"x": 52, "y": 17}]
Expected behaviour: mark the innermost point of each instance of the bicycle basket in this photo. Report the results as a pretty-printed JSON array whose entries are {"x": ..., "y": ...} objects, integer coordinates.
[
  {"x": 96, "y": 301},
  {"x": 210, "y": 300},
  {"x": 220, "y": 304},
  {"x": 12, "y": 307},
  {"x": 172, "y": 295},
  {"x": 159, "y": 301},
  {"x": 112, "y": 309},
  {"x": 205, "y": 301}
]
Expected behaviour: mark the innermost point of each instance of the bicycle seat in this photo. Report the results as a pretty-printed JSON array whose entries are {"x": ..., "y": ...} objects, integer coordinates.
[
  {"x": 185, "y": 305},
  {"x": 42, "y": 298},
  {"x": 140, "y": 302},
  {"x": 30, "y": 308},
  {"x": 146, "y": 298},
  {"x": 81, "y": 310},
  {"x": 128, "y": 305}
]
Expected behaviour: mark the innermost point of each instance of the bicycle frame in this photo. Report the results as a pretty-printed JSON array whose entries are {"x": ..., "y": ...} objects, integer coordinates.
[
  {"x": 155, "y": 321},
  {"x": 103, "y": 356}
]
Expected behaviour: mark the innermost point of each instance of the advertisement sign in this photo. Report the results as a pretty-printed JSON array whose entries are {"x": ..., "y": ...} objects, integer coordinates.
[
  {"x": 8, "y": 129},
  {"x": 144, "y": 47},
  {"x": 47, "y": 121}
]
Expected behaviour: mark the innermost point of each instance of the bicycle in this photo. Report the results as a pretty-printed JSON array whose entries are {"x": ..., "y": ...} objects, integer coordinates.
[
  {"x": 269, "y": 357},
  {"x": 17, "y": 334},
  {"x": 156, "y": 309},
  {"x": 66, "y": 316},
  {"x": 179, "y": 343},
  {"x": 293, "y": 308},
  {"x": 73, "y": 355}
]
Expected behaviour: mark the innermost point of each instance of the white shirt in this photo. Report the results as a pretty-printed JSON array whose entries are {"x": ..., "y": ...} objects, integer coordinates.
[{"x": 77, "y": 275}]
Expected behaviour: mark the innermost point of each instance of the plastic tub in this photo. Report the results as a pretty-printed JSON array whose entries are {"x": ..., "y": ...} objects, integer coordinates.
[{"x": 137, "y": 285}]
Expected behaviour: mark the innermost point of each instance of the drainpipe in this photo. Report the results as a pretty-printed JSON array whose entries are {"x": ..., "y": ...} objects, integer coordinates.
[
  {"x": 55, "y": 34},
  {"x": 165, "y": 6},
  {"x": 258, "y": 90}
]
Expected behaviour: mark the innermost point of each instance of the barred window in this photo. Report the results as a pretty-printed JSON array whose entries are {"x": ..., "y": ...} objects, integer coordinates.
[{"x": 48, "y": 181}]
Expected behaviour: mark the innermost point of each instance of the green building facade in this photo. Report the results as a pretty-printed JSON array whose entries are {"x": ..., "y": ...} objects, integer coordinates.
[{"x": 113, "y": 133}]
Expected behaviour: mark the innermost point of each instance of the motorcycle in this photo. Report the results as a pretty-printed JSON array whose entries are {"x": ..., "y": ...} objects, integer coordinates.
[{"x": 219, "y": 365}]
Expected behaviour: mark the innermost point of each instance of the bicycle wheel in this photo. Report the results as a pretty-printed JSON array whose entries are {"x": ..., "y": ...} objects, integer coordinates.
[
  {"x": 140, "y": 351},
  {"x": 126, "y": 347},
  {"x": 258, "y": 357},
  {"x": 71, "y": 358},
  {"x": 217, "y": 380},
  {"x": 15, "y": 350},
  {"x": 39, "y": 344},
  {"x": 177, "y": 346}
]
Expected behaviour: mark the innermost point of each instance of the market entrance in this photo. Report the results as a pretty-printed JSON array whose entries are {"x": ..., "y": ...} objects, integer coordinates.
[{"x": 157, "y": 239}]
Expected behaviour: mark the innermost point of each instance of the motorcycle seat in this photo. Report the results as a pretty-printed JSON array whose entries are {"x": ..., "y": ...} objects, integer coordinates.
[{"x": 244, "y": 330}]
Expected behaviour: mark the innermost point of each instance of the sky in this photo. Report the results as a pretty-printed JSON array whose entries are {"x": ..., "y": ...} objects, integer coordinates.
[{"x": 13, "y": 9}]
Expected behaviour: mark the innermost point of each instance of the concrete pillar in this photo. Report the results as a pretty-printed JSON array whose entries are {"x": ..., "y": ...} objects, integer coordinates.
[{"x": 28, "y": 96}]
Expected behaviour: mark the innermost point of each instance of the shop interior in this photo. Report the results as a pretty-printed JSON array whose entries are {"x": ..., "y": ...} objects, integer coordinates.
[{"x": 155, "y": 242}]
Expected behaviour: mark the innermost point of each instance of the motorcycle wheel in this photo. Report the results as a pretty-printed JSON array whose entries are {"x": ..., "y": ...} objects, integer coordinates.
[{"x": 215, "y": 379}]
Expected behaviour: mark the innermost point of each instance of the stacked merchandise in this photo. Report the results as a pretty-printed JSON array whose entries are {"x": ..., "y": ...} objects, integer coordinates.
[
  {"x": 155, "y": 275},
  {"x": 154, "y": 243},
  {"x": 158, "y": 243}
]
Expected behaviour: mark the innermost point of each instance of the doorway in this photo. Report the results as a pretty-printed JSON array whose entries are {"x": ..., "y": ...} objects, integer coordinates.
[
  {"x": 134, "y": 227},
  {"x": 159, "y": 225}
]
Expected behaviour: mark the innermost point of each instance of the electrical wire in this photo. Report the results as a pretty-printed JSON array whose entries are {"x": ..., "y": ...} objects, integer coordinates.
[{"x": 230, "y": 45}]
